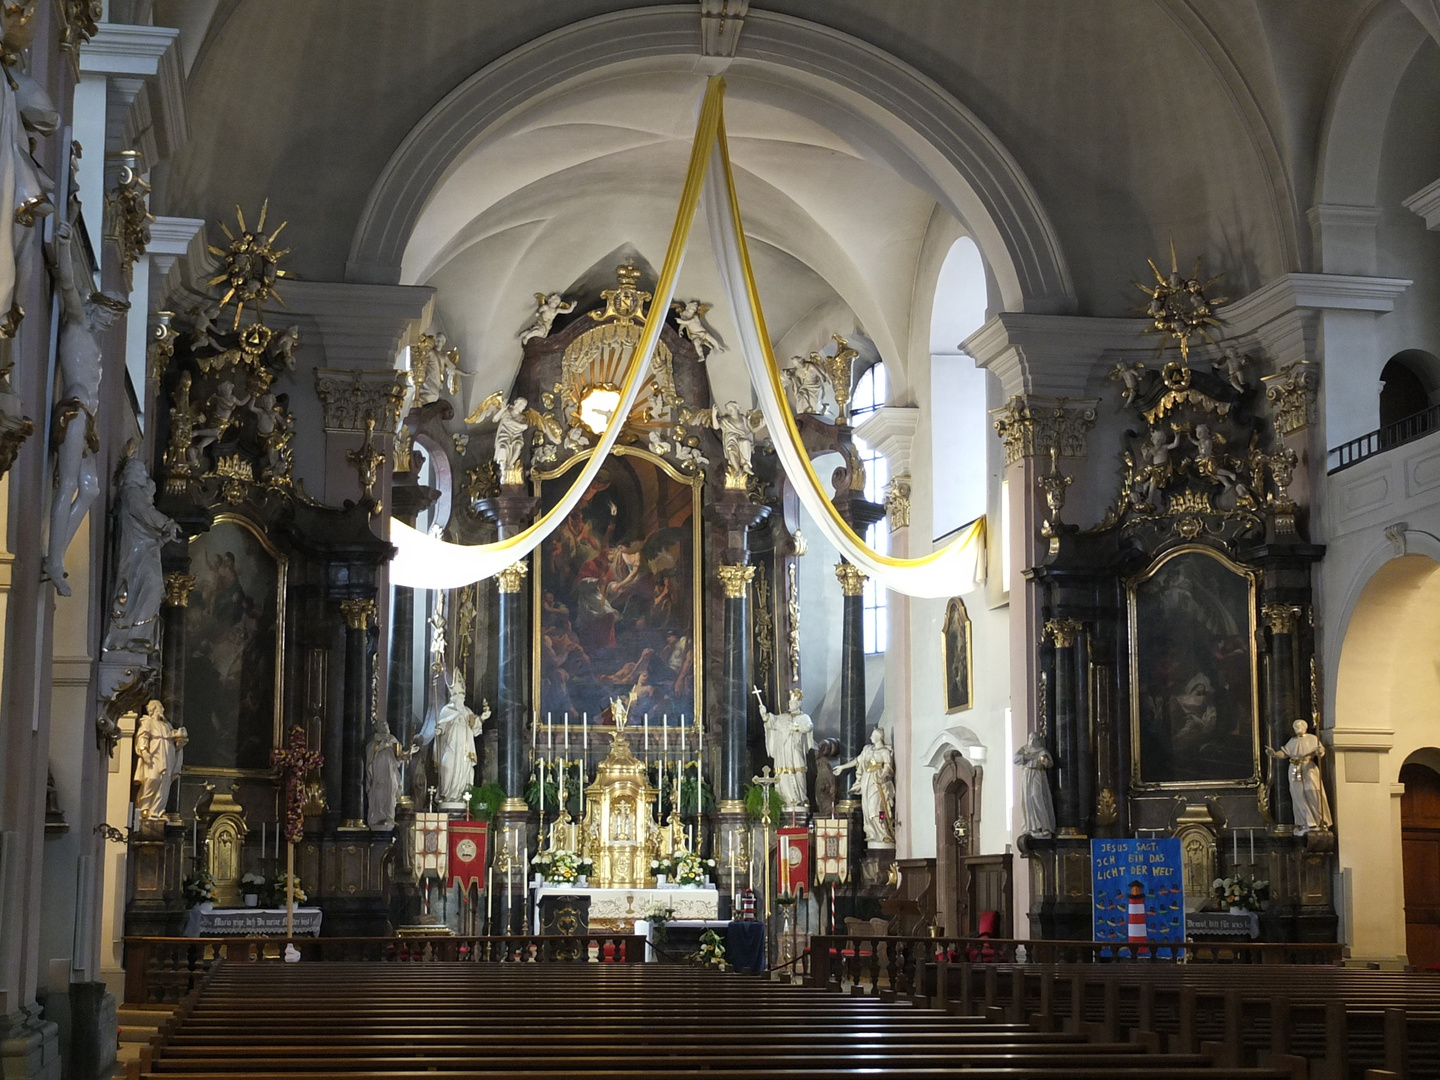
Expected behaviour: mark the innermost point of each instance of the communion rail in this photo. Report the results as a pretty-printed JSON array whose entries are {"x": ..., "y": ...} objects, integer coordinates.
[{"x": 163, "y": 970}]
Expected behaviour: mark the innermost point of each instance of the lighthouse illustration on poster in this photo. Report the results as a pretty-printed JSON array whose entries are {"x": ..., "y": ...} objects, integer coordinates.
[{"x": 1139, "y": 890}]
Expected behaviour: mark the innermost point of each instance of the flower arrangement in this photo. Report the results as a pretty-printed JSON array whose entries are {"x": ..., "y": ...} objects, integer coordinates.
[
  {"x": 712, "y": 953},
  {"x": 690, "y": 869},
  {"x": 585, "y": 864},
  {"x": 541, "y": 863},
  {"x": 199, "y": 888},
  {"x": 254, "y": 884},
  {"x": 1240, "y": 892},
  {"x": 563, "y": 867},
  {"x": 300, "y": 896},
  {"x": 662, "y": 865}
]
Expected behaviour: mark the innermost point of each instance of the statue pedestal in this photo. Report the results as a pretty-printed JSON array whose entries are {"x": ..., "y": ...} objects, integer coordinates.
[{"x": 155, "y": 907}]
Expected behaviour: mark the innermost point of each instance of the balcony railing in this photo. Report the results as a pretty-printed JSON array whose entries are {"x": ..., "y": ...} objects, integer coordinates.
[{"x": 1399, "y": 433}]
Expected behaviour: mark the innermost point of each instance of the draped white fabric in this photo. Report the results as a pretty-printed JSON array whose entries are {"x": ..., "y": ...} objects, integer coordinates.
[{"x": 425, "y": 562}]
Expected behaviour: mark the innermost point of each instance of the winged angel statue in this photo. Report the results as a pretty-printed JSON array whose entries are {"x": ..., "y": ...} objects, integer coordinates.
[{"x": 512, "y": 424}]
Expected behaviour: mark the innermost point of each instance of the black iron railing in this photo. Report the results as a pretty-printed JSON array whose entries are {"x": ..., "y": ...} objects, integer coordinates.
[{"x": 1399, "y": 433}]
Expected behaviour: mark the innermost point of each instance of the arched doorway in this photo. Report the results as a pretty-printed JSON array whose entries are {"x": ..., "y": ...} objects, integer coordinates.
[
  {"x": 966, "y": 883},
  {"x": 1420, "y": 847}
]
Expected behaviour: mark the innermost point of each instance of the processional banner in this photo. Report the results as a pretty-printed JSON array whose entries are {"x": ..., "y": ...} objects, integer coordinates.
[
  {"x": 1139, "y": 890},
  {"x": 794, "y": 858},
  {"x": 832, "y": 851},
  {"x": 430, "y": 852},
  {"x": 467, "y": 854}
]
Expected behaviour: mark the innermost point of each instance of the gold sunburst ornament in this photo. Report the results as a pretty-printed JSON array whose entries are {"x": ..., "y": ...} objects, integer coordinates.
[
  {"x": 1178, "y": 305},
  {"x": 252, "y": 265}
]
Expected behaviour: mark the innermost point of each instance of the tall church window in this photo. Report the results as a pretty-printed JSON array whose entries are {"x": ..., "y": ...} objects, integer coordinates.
[{"x": 868, "y": 396}]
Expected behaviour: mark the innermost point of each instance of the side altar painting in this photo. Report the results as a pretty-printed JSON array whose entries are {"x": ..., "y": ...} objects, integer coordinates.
[
  {"x": 233, "y": 631},
  {"x": 616, "y": 590},
  {"x": 1194, "y": 694}
]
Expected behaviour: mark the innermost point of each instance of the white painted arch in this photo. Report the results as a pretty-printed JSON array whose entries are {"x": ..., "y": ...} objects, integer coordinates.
[{"x": 923, "y": 132}]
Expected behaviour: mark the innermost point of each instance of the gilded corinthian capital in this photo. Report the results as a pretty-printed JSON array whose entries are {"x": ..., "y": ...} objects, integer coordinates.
[
  {"x": 358, "y": 612},
  {"x": 178, "y": 588},
  {"x": 1031, "y": 426},
  {"x": 512, "y": 578},
  {"x": 1062, "y": 632},
  {"x": 735, "y": 579},
  {"x": 851, "y": 578}
]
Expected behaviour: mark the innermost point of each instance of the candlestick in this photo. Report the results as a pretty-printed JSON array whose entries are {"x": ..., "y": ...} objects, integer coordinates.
[
  {"x": 534, "y": 735},
  {"x": 682, "y": 736},
  {"x": 699, "y": 768}
]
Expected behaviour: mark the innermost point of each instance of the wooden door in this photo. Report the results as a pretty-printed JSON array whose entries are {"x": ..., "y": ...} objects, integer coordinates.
[{"x": 1420, "y": 847}]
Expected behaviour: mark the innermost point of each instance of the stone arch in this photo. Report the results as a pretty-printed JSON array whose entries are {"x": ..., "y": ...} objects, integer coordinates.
[
  {"x": 938, "y": 143},
  {"x": 1387, "y": 707}
]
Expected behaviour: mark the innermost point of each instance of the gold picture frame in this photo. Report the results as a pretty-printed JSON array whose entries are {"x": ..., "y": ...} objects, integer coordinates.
[
  {"x": 1192, "y": 629},
  {"x": 957, "y": 657},
  {"x": 697, "y": 620},
  {"x": 282, "y": 564}
]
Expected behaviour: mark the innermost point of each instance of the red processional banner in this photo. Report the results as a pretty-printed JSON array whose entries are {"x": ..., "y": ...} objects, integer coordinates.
[
  {"x": 794, "y": 858},
  {"x": 467, "y": 854}
]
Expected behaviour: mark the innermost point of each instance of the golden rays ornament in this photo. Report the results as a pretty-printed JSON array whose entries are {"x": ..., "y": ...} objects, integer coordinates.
[
  {"x": 252, "y": 265},
  {"x": 1178, "y": 307}
]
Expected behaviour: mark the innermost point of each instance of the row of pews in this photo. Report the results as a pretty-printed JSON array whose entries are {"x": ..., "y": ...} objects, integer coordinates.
[{"x": 385, "y": 1021}]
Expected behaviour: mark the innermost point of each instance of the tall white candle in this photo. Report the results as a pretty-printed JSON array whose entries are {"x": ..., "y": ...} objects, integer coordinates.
[
  {"x": 665, "y": 734},
  {"x": 549, "y": 732},
  {"x": 699, "y": 768},
  {"x": 647, "y": 733},
  {"x": 584, "y": 730}
]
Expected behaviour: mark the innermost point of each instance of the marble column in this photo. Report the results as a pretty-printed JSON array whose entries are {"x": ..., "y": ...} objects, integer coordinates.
[
  {"x": 852, "y": 661},
  {"x": 512, "y": 691},
  {"x": 734, "y": 696},
  {"x": 358, "y": 613},
  {"x": 1065, "y": 738},
  {"x": 406, "y": 503},
  {"x": 178, "y": 586},
  {"x": 1283, "y": 698}
]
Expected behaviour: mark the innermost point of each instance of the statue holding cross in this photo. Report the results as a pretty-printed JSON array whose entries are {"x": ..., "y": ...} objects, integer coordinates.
[{"x": 294, "y": 762}]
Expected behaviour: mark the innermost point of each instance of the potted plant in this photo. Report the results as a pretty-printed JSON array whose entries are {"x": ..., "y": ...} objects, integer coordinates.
[
  {"x": 1239, "y": 893},
  {"x": 662, "y": 868},
  {"x": 485, "y": 800},
  {"x": 691, "y": 870},
  {"x": 586, "y": 866},
  {"x": 199, "y": 889},
  {"x": 540, "y": 864},
  {"x": 252, "y": 884},
  {"x": 712, "y": 952}
]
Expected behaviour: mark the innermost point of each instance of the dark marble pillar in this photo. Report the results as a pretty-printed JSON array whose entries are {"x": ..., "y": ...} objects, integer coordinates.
[
  {"x": 1065, "y": 738},
  {"x": 734, "y": 696},
  {"x": 407, "y": 500},
  {"x": 358, "y": 613},
  {"x": 512, "y": 691},
  {"x": 178, "y": 586},
  {"x": 1283, "y": 701},
  {"x": 852, "y": 660}
]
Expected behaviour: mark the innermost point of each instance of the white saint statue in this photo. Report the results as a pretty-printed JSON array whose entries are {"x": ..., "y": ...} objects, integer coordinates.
[
  {"x": 875, "y": 783},
  {"x": 455, "y": 734},
  {"x": 806, "y": 381},
  {"x": 140, "y": 582},
  {"x": 546, "y": 310},
  {"x": 512, "y": 432},
  {"x": 737, "y": 429},
  {"x": 788, "y": 737},
  {"x": 74, "y": 434},
  {"x": 25, "y": 190},
  {"x": 1307, "y": 789},
  {"x": 157, "y": 760},
  {"x": 1035, "y": 763},
  {"x": 383, "y": 758}
]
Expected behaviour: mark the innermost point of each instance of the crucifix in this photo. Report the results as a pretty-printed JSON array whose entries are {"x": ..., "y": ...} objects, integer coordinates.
[
  {"x": 294, "y": 762},
  {"x": 767, "y": 783}
]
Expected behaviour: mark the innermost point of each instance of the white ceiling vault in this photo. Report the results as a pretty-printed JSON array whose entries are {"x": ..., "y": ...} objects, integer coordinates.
[{"x": 836, "y": 233}]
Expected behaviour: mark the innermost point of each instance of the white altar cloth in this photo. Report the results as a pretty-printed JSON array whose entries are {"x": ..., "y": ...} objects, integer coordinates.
[{"x": 618, "y": 909}]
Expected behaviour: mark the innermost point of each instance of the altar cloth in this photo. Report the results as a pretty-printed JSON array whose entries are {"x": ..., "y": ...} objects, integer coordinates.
[
  {"x": 618, "y": 909},
  {"x": 251, "y": 922}
]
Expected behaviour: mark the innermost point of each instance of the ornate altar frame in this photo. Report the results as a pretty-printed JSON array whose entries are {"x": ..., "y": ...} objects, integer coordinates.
[
  {"x": 697, "y": 585},
  {"x": 282, "y": 566},
  {"x": 1132, "y": 584}
]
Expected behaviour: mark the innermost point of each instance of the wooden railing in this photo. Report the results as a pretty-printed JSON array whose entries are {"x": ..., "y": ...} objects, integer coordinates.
[{"x": 163, "y": 970}]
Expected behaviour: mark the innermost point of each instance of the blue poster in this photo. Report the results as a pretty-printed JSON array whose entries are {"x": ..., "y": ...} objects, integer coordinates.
[{"x": 1139, "y": 890}]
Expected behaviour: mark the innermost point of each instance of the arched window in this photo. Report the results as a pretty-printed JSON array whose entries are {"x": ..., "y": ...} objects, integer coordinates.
[
  {"x": 867, "y": 397},
  {"x": 1404, "y": 389}
]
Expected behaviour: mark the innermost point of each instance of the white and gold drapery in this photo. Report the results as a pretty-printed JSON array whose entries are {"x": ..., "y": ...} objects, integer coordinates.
[{"x": 425, "y": 562}]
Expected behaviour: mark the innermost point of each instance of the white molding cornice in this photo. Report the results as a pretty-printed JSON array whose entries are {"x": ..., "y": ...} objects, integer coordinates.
[
  {"x": 143, "y": 66},
  {"x": 891, "y": 430},
  {"x": 1426, "y": 203},
  {"x": 359, "y": 325},
  {"x": 1373, "y": 740},
  {"x": 1326, "y": 292},
  {"x": 177, "y": 260},
  {"x": 1050, "y": 355},
  {"x": 720, "y": 25}
]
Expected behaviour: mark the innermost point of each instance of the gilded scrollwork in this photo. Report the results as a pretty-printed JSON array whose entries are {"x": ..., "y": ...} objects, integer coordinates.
[
  {"x": 1029, "y": 426},
  {"x": 1293, "y": 392},
  {"x": 127, "y": 211}
]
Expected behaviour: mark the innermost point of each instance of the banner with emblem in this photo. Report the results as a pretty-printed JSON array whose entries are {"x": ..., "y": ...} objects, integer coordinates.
[
  {"x": 793, "y": 851},
  {"x": 467, "y": 854},
  {"x": 832, "y": 851},
  {"x": 430, "y": 851}
]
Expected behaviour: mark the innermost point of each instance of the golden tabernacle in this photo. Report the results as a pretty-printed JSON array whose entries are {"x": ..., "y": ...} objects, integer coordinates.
[{"x": 619, "y": 832}]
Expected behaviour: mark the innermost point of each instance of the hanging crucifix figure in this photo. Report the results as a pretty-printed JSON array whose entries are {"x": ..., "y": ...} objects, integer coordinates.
[{"x": 294, "y": 762}]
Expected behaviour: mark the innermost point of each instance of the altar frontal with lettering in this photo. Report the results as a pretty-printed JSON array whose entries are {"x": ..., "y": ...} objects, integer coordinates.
[{"x": 1131, "y": 877}]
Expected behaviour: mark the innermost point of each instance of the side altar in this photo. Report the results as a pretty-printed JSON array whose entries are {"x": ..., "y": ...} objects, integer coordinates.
[{"x": 619, "y": 910}]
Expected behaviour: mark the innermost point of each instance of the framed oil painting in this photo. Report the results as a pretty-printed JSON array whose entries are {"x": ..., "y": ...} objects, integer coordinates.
[
  {"x": 955, "y": 654},
  {"x": 1194, "y": 688},
  {"x": 234, "y": 650},
  {"x": 616, "y": 590}
]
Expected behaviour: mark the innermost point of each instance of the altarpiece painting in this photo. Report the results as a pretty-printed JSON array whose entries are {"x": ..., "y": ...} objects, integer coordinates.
[
  {"x": 234, "y": 630},
  {"x": 1194, "y": 690},
  {"x": 955, "y": 650},
  {"x": 616, "y": 592}
]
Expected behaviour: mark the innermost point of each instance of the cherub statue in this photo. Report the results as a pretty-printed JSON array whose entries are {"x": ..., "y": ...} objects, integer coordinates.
[
  {"x": 283, "y": 347},
  {"x": 805, "y": 380},
  {"x": 690, "y": 455},
  {"x": 688, "y": 316},
  {"x": 657, "y": 443},
  {"x": 1232, "y": 362},
  {"x": 222, "y": 412},
  {"x": 83, "y": 320},
  {"x": 547, "y": 308},
  {"x": 1129, "y": 377},
  {"x": 1157, "y": 462},
  {"x": 1211, "y": 465},
  {"x": 512, "y": 426}
]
